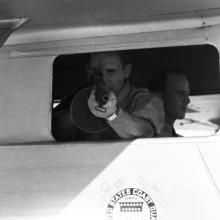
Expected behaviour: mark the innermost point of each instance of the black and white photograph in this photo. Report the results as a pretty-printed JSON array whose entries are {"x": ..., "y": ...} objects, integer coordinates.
[{"x": 109, "y": 110}]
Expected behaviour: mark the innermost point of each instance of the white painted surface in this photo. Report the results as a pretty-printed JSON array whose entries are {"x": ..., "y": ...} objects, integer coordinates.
[
  {"x": 43, "y": 14},
  {"x": 81, "y": 18},
  {"x": 41, "y": 180},
  {"x": 153, "y": 23},
  {"x": 26, "y": 90},
  {"x": 211, "y": 154},
  {"x": 76, "y": 181}
]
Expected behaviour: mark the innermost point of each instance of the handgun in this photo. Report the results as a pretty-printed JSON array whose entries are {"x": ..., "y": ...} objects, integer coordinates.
[{"x": 101, "y": 89}]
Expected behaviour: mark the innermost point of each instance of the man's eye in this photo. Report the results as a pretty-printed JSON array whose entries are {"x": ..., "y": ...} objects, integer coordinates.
[
  {"x": 110, "y": 70},
  {"x": 183, "y": 94}
]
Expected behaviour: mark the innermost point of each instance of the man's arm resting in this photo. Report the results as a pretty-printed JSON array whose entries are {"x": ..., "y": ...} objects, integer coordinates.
[{"x": 129, "y": 126}]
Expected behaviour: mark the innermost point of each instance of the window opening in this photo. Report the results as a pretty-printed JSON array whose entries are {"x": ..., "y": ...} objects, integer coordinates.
[{"x": 200, "y": 64}]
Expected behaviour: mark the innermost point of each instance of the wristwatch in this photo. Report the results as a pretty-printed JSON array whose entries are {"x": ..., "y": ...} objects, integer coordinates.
[{"x": 114, "y": 115}]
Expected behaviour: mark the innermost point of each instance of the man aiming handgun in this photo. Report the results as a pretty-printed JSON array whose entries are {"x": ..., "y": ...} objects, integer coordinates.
[{"x": 128, "y": 112}]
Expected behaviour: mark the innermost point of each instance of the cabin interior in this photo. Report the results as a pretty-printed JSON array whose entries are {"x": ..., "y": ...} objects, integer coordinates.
[{"x": 69, "y": 76}]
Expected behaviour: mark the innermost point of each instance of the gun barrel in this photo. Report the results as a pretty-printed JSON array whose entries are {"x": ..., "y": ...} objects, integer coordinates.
[{"x": 101, "y": 89}]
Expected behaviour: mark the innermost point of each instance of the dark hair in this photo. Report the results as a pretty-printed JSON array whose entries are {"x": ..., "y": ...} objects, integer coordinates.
[
  {"x": 157, "y": 82},
  {"x": 125, "y": 56}
]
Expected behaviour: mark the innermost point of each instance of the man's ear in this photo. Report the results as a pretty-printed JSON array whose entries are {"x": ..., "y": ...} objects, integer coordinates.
[{"x": 127, "y": 70}]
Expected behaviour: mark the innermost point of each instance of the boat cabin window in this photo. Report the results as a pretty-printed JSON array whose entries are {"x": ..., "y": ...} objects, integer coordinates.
[{"x": 199, "y": 65}]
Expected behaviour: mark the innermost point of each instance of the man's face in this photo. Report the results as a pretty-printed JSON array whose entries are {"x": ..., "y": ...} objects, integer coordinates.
[
  {"x": 176, "y": 96},
  {"x": 114, "y": 73}
]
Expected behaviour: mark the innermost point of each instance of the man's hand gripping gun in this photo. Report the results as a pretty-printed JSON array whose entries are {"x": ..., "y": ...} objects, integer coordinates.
[
  {"x": 80, "y": 112},
  {"x": 101, "y": 90}
]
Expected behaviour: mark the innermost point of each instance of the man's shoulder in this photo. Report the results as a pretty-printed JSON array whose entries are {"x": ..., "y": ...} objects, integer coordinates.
[
  {"x": 139, "y": 92},
  {"x": 141, "y": 98},
  {"x": 134, "y": 89},
  {"x": 148, "y": 105},
  {"x": 142, "y": 93}
]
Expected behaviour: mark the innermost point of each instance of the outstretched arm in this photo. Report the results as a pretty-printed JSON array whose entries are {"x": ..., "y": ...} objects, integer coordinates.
[
  {"x": 129, "y": 126},
  {"x": 145, "y": 118}
]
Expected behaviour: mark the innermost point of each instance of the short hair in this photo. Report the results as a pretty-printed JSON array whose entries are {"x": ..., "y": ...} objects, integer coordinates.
[
  {"x": 124, "y": 55},
  {"x": 157, "y": 83}
]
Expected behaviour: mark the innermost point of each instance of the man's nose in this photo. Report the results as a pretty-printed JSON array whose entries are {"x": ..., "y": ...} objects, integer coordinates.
[{"x": 105, "y": 77}]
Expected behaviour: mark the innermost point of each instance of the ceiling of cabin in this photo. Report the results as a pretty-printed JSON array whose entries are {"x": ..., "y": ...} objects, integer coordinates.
[{"x": 51, "y": 13}]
